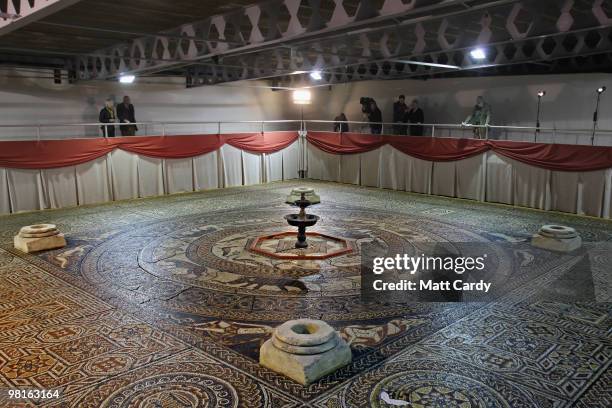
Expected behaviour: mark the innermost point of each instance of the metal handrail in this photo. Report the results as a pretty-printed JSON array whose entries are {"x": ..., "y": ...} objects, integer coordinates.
[
  {"x": 459, "y": 126},
  {"x": 303, "y": 128},
  {"x": 216, "y": 122},
  {"x": 19, "y": 125}
]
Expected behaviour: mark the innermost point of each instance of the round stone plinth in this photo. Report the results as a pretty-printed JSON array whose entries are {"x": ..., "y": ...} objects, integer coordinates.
[
  {"x": 304, "y": 332},
  {"x": 309, "y": 194},
  {"x": 40, "y": 234},
  {"x": 559, "y": 238},
  {"x": 38, "y": 229},
  {"x": 305, "y": 350},
  {"x": 558, "y": 231}
]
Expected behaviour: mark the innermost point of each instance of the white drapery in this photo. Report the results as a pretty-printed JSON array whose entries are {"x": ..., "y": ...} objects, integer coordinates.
[
  {"x": 122, "y": 175},
  {"x": 487, "y": 177}
]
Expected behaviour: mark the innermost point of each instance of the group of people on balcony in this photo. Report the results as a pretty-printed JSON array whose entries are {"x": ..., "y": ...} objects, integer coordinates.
[
  {"x": 414, "y": 118},
  {"x": 125, "y": 113},
  {"x": 412, "y": 114}
]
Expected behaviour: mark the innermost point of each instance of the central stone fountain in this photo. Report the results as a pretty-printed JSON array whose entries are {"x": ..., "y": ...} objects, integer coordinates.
[
  {"x": 302, "y": 220},
  {"x": 309, "y": 246}
]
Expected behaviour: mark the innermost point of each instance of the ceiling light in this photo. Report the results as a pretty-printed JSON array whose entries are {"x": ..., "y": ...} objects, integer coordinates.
[
  {"x": 478, "y": 54},
  {"x": 126, "y": 79},
  {"x": 541, "y": 93},
  {"x": 427, "y": 64},
  {"x": 302, "y": 97},
  {"x": 316, "y": 75},
  {"x": 601, "y": 89}
]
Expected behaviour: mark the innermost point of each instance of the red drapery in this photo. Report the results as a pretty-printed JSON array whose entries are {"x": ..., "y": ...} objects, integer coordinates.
[
  {"x": 549, "y": 156},
  {"x": 47, "y": 154},
  {"x": 345, "y": 143},
  {"x": 556, "y": 156},
  {"x": 69, "y": 152},
  {"x": 426, "y": 148},
  {"x": 267, "y": 142}
]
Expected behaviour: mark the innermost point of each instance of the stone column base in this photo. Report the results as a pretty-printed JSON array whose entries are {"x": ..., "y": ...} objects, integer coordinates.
[
  {"x": 305, "y": 350},
  {"x": 40, "y": 237},
  {"x": 557, "y": 238}
]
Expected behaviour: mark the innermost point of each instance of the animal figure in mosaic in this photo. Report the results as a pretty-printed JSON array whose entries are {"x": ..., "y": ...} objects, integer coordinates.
[
  {"x": 386, "y": 398},
  {"x": 64, "y": 258},
  {"x": 192, "y": 269},
  {"x": 258, "y": 282}
]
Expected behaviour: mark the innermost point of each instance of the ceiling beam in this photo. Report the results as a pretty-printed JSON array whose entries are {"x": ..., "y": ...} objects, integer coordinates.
[
  {"x": 274, "y": 23},
  {"x": 427, "y": 52},
  {"x": 361, "y": 44},
  {"x": 19, "y": 13}
]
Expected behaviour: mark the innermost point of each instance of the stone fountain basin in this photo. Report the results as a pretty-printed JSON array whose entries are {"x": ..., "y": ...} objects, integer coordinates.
[{"x": 296, "y": 220}]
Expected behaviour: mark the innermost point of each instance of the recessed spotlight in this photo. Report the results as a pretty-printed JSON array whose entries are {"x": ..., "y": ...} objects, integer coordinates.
[
  {"x": 126, "y": 79},
  {"x": 478, "y": 54},
  {"x": 316, "y": 75}
]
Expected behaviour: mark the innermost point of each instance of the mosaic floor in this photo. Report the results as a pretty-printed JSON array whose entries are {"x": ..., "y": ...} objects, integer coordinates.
[{"x": 159, "y": 303}]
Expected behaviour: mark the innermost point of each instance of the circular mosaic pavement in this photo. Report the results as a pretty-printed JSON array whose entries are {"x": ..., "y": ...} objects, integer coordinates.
[
  {"x": 433, "y": 384},
  {"x": 175, "y": 390},
  {"x": 205, "y": 265},
  {"x": 184, "y": 381}
]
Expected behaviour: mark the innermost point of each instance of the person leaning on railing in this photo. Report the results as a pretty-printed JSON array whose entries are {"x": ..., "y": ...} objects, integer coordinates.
[
  {"x": 341, "y": 123},
  {"x": 107, "y": 115},
  {"x": 481, "y": 116}
]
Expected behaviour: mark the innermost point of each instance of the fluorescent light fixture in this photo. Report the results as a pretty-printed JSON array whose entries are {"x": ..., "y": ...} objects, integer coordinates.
[
  {"x": 316, "y": 75},
  {"x": 541, "y": 93},
  {"x": 601, "y": 89},
  {"x": 126, "y": 79},
  {"x": 478, "y": 54},
  {"x": 302, "y": 97},
  {"x": 298, "y": 72},
  {"x": 479, "y": 66},
  {"x": 427, "y": 64}
]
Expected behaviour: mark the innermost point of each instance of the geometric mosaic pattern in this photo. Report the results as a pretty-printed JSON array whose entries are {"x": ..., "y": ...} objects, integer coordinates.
[{"x": 157, "y": 303}]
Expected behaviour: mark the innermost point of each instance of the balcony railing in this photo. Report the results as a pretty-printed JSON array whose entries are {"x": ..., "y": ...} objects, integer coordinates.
[{"x": 601, "y": 137}]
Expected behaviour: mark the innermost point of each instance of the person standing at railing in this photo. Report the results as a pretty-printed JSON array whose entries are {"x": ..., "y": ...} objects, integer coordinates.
[
  {"x": 107, "y": 115},
  {"x": 415, "y": 115},
  {"x": 341, "y": 123},
  {"x": 375, "y": 118},
  {"x": 399, "y": 115},
  {"x": 481, "y": 116},
  {"x": 125, "y": 113}
]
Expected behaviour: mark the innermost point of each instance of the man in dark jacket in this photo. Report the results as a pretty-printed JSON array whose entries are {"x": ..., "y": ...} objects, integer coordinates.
[
  {"x": 125, "y": 113},
  {"x": 107, "y": 115},
  {"x": 399, "y": 115},
  {"x": 415, "y": 115},
  {"x": 341, "y": 123},
  {"x": 375, "y": 117}
]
